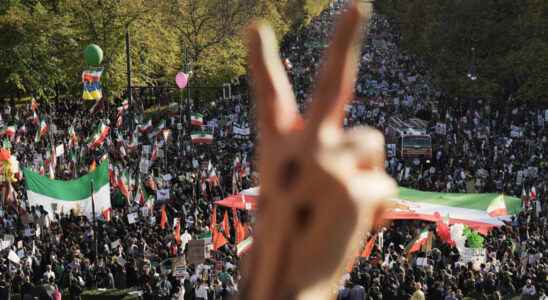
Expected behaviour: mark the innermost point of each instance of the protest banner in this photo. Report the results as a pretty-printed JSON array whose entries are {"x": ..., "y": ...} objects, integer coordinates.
[{"x": 473, "y": 255}]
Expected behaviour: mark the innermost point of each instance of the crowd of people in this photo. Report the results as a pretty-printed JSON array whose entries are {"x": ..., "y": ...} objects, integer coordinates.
[{"x": 485, "y": 146}]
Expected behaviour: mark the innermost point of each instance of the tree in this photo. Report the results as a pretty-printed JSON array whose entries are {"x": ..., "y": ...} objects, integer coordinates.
[
  {"x": 36, "y": 47},
  {"x": 42, "y": 41},
  {"x": 104, "y": 22},
  {"x": 507, "y": 37}
]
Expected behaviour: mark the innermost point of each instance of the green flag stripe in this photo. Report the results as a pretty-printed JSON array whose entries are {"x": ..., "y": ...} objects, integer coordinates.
[
  {"x": 464, "y": 200},
  {"x": 72, "y": 190}
]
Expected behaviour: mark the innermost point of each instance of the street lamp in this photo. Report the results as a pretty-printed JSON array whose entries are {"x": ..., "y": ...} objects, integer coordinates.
[
  {"x": 165, "y": 133},
  {"x": 472, "y": 72}
]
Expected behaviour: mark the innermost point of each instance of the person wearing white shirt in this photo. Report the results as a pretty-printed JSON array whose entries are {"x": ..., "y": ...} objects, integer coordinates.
[
  {"x": 202, "y": 291},
  {"x": 49, "y": 273},
  {"x": 185, "y": 239}
]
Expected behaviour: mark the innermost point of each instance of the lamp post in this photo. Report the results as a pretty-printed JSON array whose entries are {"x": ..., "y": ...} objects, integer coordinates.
[
  {"x": 472, "y": 72},
  {"x": 165, "y": 133}
]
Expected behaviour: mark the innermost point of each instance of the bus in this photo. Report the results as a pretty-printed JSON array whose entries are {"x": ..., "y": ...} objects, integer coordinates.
[{"x": 409, "y": 139}]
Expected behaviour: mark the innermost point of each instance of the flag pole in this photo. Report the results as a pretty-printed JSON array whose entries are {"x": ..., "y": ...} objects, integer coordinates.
[{"x": 94, "y": 219}]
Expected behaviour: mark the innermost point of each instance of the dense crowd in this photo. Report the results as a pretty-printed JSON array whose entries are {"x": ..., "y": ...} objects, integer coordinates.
[{"x": 485, "y": 146}]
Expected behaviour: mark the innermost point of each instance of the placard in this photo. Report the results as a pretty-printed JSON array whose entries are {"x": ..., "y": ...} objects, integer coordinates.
[
  {"x": 60, "y": 150},
  {"x": 391, "y": 150},
  {"x": 473, "y": 255},
  {"x": 115, "y": 244},
  {"x": 441, "y": 128},
  {"x": 516, "y": 131},
  {"x": 28, "y": 232},
  {"x": 132, "y": 218},
  {"x": 422, "y": 261},
  {"x": 146, "y": 149},
  {"x": 121, "y": 261},
  {"x": 5, "y": 244},
  {"x": 178, "y": 266},
  {"x": 144, "y": 211},
  {"x": 12, "y": 256},
  {"x": 196, "y": 253},
  {"x": 9, "y": 237},
  {"x": 144, "y": 165},
  {"x": 162, "y": 194}
]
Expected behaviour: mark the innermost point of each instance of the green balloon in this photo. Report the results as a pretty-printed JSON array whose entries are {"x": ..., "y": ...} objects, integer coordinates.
[{"x": 93, "y": 55}]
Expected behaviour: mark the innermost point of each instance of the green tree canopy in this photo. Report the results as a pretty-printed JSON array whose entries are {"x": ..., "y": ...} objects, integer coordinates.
[
  {"x": 508, "y": 38},
  {"x": 42, "y": 41}
]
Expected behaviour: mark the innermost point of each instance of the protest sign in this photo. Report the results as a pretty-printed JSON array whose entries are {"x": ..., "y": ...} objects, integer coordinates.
[
  {"x": 519, "y": 177},
  {"x": 132, "y": 218},
  {"x": 115, "y": 244},
  {"x": 391, "y": 150},
  {"x": 12, "y": 256},
  {"x": 60, "y": 150},
  {"x": 122, "y": 261},
  {"x": 144, "y": 165},
  {"x": 9, "y": 237},
  {"x": 178, "y": 266},
  {"x": 422, "y": 261},
  {"x": 5, "y": 244},
  {"x": 162, "y": 195},
  {"x": 516, "y": 131},
  {"x": 28, "y": 232},
  {"x": 197, "y": 253},
  {"x": 441, "y": 128},
  {"x": 237, "y": 130},
  {"x": 473, "y": 255},
  {"x": 146, "y": 149},
  {"x": 144, "y": 211}
]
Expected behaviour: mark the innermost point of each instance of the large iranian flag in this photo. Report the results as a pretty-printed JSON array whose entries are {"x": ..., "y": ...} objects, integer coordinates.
[
  {"x": 479, "y": 211},
  {"x": 59, "y": 196}
]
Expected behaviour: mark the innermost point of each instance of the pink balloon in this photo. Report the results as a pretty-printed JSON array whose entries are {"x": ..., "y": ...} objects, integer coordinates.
[{"x": 181, "y": 79}]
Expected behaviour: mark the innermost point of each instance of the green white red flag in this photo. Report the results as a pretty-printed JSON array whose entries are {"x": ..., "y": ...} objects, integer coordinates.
[{"x": 63, "y": 196}]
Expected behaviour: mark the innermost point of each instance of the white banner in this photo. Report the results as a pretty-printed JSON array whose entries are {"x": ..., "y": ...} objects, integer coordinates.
[
  {"x": 241, "y": 130},
  {"x": 473, "y": 255}
]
